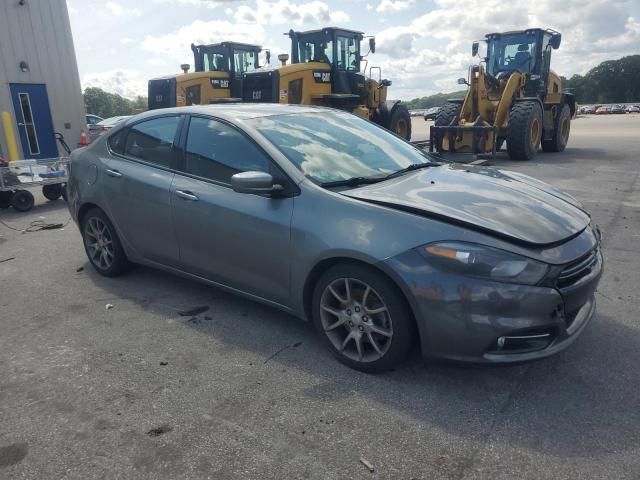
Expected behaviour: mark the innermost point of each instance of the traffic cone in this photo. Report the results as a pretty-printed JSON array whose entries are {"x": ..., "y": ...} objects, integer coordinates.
[{"x": 84, "y": 140}]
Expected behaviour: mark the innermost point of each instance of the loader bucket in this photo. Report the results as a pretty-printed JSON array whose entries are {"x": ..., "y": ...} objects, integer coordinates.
[{"x": 474, "y": 139}]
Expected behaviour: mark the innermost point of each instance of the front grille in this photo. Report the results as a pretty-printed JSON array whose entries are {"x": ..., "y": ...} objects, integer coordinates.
[
  {"x": 162, "y": 93},
  {"x": 261, "y": 87},
  {"x": 578, "y": 269}
]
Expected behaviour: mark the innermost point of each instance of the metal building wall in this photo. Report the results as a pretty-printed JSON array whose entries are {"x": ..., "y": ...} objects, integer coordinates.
[{"x": 39, "y": 32}]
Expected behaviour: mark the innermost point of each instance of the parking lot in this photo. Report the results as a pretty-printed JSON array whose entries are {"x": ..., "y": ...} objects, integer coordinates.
[{"x": 244, "y": 391}]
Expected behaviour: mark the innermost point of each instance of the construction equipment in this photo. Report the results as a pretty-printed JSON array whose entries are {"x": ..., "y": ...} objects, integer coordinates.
[
  {"x": 325, "y": 69},
  {"x": 217, "y": 77},
  {"x": 513, "y": 96}
]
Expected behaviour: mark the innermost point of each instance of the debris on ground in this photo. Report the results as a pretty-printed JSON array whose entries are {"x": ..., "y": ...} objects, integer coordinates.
[
  {"x": 108, "y": 306},
  {"x": 79, "y": 269},
  {"x": 194, "y": 311},
  {"x": 367, "y": 464},
  {"x": 164, "y": 364},
  {"x": 293, "y": 345},
  {"x": 156, "y": 432},
  {"x": 7, "y": 259}
]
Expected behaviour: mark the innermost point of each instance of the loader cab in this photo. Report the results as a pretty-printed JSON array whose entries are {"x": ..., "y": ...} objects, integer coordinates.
[
  {"x": 235, "y": 58},
  {"x": 217, "y": 76},
  {"x": 337, "y": 47},
  {"x": 231, "y": 57},
  {"x": 527, "y": 52}
]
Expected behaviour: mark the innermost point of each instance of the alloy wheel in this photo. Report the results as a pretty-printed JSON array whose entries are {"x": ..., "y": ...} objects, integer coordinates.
[
  {"x": 356, "y": 320},
  {"x": 99, "y": 243}
]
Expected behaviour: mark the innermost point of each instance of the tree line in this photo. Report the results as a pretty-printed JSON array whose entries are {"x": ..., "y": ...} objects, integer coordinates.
[
  {"x": 436, "y": 100},
  {"x": 105, "y": 104},
  {"x": 613, "y": 81}
]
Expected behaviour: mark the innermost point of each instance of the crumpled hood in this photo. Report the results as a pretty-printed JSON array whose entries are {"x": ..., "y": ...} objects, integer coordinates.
[{"x": 507, "y": 204}]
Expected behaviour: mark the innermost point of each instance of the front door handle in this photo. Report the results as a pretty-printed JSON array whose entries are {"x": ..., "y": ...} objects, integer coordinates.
[
  {"x": 113, "y": 173},
  {"x": 188, "y": 196}
]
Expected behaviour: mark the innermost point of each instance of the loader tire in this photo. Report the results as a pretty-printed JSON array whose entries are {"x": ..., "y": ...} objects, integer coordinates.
[
  {"x": 446, "y": 114},
  {"x": 525, "y": 130},
  {"x": 400, "y": 122},
  {"x": 561, "y": 129}
]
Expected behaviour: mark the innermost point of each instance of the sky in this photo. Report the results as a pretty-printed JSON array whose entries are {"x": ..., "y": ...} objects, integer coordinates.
[{"x": 422, "y": 46}]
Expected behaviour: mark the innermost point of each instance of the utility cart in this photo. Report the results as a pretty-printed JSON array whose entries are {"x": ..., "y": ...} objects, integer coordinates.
[{"x": 16, "y": 178}]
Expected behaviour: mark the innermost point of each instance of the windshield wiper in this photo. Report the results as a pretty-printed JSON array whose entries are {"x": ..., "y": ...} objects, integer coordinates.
[
  {"x": 352, "y": 182},
  {"x": 410, "y": 168}
]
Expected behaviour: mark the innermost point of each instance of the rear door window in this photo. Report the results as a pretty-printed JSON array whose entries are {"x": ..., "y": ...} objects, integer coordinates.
[
  {"x": 116, "y": 141},
  {"x": 216, "y": 151},
  {"x": 152, "y": 140}
]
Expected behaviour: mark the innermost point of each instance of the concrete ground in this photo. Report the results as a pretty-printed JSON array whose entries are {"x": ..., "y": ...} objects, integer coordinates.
[{"x": 138, "y": 391}]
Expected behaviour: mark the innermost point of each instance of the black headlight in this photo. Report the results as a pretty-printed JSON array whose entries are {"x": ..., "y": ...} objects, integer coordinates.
[{"x": 484, "y": 262}]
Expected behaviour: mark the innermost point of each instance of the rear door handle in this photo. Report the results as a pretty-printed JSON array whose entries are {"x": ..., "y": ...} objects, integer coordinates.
[
  {"x": 188, "y": 196},
  {"x": 113, "y": 173}
]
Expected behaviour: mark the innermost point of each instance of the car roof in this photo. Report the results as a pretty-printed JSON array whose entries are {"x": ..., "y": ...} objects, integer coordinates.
[
  {"x": 235, "y": 111},
  {"x": 112, "y": 120}
]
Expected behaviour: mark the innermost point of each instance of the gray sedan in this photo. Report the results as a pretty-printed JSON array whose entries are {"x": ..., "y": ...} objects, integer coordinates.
[{"x": 339, "y": 222}]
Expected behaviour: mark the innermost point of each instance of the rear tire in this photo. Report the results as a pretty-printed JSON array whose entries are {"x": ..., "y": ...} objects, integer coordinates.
[
  {"x": 447, "y": 113},
  {"x": 22, "y": 200},
  {"x": 372, "y": 332},
  {"x": 400, "y": 122},
  {"x": 561, "y": 129},
  {"x": 525, "y": 130},
  {"x": 5, "y": 199},
  {"x": 52, "y": 192},
  {"x": 102, "y": 245}
]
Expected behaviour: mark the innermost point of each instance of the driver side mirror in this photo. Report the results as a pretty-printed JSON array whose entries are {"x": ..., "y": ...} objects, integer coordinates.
[
  {"x": 474, "y": 48},
  {"x": 372, "y": 44},
  {"x": 462, "y": 81},
  {"x": 258, "y": 183},
  {"x": 268, "y": 56},
  {"x": 555, "y": 41}
]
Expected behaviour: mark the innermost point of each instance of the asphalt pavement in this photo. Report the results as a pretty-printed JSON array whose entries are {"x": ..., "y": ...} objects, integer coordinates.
[{"x": 138, "y": 390}]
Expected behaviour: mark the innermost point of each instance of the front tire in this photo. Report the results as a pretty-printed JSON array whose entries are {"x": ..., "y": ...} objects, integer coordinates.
[
  {"x": 102, "y": 245},
  {"x": 22, "y": 200},
  {"x": 525, "y": 130},
  {"x": 400, "y": 122},
  {"x": 5, "y": 199},
  {"x": 362, "y": 318},
  {"x": 561, "y": 129}
]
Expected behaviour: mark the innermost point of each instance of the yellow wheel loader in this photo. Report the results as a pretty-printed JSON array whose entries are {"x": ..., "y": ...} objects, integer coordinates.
[
  {"x": 325, "y": 69},
  {"x": 513, "y": 96},
  {"x": 217, "y": 77}
]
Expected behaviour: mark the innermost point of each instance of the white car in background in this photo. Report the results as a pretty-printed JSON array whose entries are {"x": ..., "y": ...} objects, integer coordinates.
[{"x": 105, "y": 125}]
